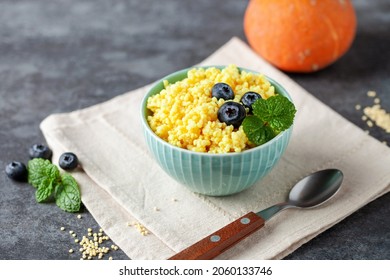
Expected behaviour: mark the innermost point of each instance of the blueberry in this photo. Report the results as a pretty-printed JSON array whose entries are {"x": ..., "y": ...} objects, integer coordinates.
[
  {"x": 68, "y": 161},
  {"x": 40, "y": 151},
  {"x": 249, "y": 98},
  {"x": 222, "y": 90},
  {"x": 232, "y": 113},
  {"x": 16, "y": 171}
]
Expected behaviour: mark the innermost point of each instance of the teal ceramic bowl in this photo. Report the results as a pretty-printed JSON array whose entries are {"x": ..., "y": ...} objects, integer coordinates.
[{"x": 213, "y": 174}]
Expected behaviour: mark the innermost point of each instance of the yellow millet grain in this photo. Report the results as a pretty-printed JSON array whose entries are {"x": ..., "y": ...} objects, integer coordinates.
[
  {"x": 141, "y": 228},
  {"x": 379, "y": 116},
  {"x": 375, "y": 115},
  {"x": 91, "y": 247},
  {"x": 185, "y": 114}
]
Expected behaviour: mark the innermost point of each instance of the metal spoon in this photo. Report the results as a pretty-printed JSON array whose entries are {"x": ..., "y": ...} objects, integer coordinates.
[{"x": 309, "y": 192}]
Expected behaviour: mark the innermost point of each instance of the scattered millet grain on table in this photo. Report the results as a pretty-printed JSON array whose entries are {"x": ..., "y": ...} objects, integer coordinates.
[
  {"x": 371, "y": 93},
  {"x": 92, "y": 244},
  {"x": 375, "y": 114},
  {"x": 379, "y": 116}
]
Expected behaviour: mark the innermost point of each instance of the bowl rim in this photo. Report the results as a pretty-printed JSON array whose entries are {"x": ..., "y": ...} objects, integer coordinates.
[{"x": 278, "y": 88}]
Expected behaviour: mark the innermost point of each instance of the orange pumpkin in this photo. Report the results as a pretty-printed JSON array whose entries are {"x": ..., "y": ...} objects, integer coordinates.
[{"x": 300, "y": 35}]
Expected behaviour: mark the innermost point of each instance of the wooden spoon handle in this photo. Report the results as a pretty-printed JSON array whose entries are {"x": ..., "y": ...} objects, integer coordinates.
[{"x": 221, "y": 240}]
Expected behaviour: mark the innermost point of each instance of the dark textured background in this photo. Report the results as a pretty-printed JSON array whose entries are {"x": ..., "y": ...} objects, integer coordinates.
[{"x": 58, "y": 56}]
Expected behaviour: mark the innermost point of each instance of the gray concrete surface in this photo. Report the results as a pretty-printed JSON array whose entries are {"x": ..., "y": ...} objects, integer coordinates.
[{"x": 58, "y": 56}]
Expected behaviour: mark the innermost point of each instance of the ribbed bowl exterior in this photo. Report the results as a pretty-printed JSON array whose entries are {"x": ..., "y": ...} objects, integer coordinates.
[
  {"x": 217, "y": 175},
  {"x": 213, "y": 174}
]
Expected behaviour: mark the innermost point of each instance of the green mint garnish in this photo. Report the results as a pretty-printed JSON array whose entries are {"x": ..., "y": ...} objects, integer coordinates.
[
  {"x": 256, "y": 130},
  {"x": 46, "y": 177},
  {"x": 42, "y": 170},
  {"x": 68, "y": 194},
  {"x": 277, "y": 111},
  {"x": 270, "y": 117},
  {"x": 44, "y": 191}
]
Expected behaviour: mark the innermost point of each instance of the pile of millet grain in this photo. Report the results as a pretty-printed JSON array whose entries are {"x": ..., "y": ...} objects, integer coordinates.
[
  {"x": 91, "y": 245},
  {"x": 374, "y": 115}
]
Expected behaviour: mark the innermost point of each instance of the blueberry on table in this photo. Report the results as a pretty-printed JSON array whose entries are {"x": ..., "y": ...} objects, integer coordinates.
[
  {"x": 40, "y": 151},
  {"x": 68, "y": 161},
  {"x": 232, "y": 113},
  {"x": 222, "y": 90},
  {"x": 16, "y": 171},
  {"x": 249, "y": 98}
]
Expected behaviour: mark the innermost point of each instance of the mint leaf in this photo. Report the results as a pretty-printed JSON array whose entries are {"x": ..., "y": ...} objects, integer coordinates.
[
  {"x": 67, "y": 194},
  {"x": 44, "y": 191},
  {"x": 46, "y": 177},
  {"x": 277, "y": 111},
  {"x": 256, "y": 130},
  {"x": 42, "y": 170}
]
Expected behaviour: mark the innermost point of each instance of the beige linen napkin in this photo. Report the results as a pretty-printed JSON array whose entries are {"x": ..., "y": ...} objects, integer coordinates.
[{"x": 122, "y": 183}]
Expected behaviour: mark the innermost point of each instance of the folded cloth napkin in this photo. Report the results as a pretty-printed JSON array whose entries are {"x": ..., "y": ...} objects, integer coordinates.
[{"x": 121, "y": 183}]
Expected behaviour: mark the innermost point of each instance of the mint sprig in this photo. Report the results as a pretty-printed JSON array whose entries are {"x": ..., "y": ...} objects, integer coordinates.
[
  {"x": 68, "y": 194},
  {"x": 46, "y": 177},
  {"x": 256, "y": 130},
  {"x": 270, "y": 117},
  {"x": 42, "y": 171},
  {"x": 44, "y": 191}
]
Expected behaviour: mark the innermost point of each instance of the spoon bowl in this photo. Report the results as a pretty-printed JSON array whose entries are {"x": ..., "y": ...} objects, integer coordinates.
[
  {"x": 311, "y": 191},
  {"x": 316, "y": 188}
]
